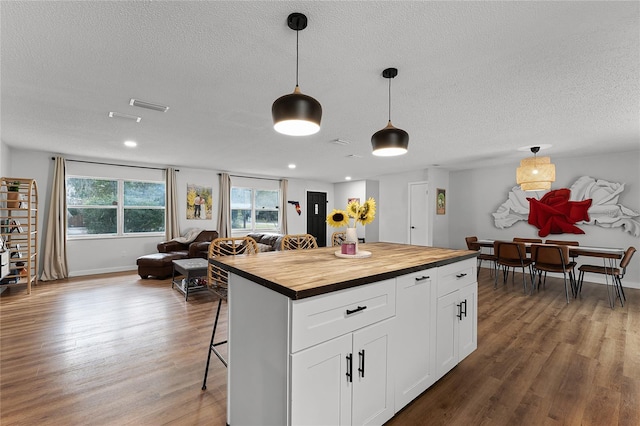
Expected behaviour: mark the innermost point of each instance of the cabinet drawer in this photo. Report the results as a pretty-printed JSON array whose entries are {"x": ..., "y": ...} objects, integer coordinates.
[
  {"x": 454, "y": 276},
  {"x": 318, "y": 319}
]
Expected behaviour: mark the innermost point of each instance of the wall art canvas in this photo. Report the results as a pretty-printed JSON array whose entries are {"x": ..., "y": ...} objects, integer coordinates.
[
  {"x": 567, "y": 208},
  {"x": 441, "y": 201},
  {"x": 199, "y": 202}
]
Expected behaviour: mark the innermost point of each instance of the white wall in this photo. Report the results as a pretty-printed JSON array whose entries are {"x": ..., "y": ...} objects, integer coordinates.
[
  {"x": 475, "y": 194},
  {"x": 393, "y": 205}
]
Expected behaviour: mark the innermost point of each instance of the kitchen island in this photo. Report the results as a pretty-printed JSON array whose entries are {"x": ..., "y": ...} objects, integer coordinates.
[{"x": 317, "y": 339}]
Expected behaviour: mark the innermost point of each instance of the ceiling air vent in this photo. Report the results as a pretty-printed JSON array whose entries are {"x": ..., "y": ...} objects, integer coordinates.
[
  {"x": 125, "y": 116},
  {"x": 148, "y": 105},
  {"x": 340, "y": 142}
]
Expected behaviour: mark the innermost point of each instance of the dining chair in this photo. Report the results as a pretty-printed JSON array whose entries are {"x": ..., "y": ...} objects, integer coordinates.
[
  {"x": 554, "y": 258},
  {"x": 299, "y": 242},
  {"x": 564, "y": 243},
  {"x": 511, "y": 254},
  {"x": 617, "y": 274},
  {"x": 218, "y": 281},
  {"x": 472, "y": 244},
  {"x": 337, "y": 238},
  {"x": 528, "y": 240}
]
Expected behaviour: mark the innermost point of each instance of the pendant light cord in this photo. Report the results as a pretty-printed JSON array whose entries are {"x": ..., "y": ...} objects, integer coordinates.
[
  {"x": 297, "y": 44},
  {"x": 389, "y": 100}
]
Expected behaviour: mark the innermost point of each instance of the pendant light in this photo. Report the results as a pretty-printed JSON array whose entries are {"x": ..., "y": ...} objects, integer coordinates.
[
  {"x": 296, "y": 114},
  {"x": 535, "y": 173},
  {"x": 390, "y": 141}
]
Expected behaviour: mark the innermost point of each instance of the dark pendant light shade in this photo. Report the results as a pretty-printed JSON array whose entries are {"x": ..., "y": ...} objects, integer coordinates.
[
  {"x": 296, "y": 114},
  {"x": 390, "y": 141}
]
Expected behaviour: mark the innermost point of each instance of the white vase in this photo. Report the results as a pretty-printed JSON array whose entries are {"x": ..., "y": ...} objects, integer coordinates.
[{"x": 352, "y": 237}]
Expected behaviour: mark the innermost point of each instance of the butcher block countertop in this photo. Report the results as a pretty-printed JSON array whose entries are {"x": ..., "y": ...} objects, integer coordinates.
[{"x": 298, "y": 274}]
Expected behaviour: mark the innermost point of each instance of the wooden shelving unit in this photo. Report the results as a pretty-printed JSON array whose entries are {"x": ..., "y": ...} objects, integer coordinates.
[{"x": 18, "y": 229}]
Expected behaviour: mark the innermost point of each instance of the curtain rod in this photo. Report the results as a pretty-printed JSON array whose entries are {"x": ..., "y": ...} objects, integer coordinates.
[
  {"x": 251, "y": 177},
  {"x": 117, "y": 165}
]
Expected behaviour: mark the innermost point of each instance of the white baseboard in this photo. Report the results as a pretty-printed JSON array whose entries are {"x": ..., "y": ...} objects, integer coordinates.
[{"x": 102, "y": 271}]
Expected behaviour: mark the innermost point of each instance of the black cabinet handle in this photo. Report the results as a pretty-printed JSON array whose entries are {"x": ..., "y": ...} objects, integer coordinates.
[
  {"x": 465, "y": 308},
  {"x": 361, "y": 368},
  {"x": 349, "y": 368},
  {"x": 422, "y": 278},
  {"x": 358, "y": 309},
  {"x": 459, "y": 314},
  {"x": 461, "y": 275}
]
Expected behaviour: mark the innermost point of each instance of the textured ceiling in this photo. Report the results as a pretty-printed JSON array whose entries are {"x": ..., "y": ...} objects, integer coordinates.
[{"x": 477, "y": 80}]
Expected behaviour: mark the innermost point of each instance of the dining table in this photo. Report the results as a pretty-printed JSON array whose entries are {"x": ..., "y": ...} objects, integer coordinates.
[{"x": 609, "y": 255}]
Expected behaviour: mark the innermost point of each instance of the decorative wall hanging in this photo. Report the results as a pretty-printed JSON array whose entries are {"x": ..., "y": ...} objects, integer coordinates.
[
  {"x": 199, "y": 202},
  {"x": 555, "y": 214},
  {"x": 604, "y": 211},
  {"x": 441, "y": 201},
  {"x": 297, "y": 206}
]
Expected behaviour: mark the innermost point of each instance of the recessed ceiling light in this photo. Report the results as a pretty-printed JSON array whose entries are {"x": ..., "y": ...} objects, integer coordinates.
[
  {"x": 292, "y": 166},
  {"x": 347, "y": 178},
  {"x": 130, "y": 144},
  {"x": 135, "y": 118}
]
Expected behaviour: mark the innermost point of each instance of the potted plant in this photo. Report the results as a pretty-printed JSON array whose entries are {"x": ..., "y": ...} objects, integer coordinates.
[{"x": 13, "y": 195}]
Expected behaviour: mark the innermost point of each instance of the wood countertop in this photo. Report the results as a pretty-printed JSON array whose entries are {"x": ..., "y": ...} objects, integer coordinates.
[{"x": 298, "y": 274}]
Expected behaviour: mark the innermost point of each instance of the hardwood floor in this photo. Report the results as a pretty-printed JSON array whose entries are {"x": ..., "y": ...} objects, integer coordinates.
[{"x": 115, "y": 349}]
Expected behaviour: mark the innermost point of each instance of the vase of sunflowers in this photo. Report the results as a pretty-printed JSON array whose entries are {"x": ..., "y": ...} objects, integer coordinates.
[{"x": 355, "y": 213}]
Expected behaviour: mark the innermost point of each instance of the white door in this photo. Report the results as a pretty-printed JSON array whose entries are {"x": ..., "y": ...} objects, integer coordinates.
[
  {"x": 415, "y": 334},
  {"x": 419, "y": 214},
  {"x": 320, "y": 388},
  {"x": 447, "y": 333},
  {"x": 469, "y": 325},
  {"x": 372, "y": 386}
]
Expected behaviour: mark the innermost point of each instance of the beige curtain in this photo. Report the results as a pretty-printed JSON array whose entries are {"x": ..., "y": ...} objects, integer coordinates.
[
  {"x": 284, "y": 185},
  {"x": 173, "y": 227},
  {"x": 224, "y": 215},
  {"x": 55, "y": 241}
]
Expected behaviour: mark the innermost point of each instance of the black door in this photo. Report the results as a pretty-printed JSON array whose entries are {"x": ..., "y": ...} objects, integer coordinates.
[{"x": 317, "y": 216}]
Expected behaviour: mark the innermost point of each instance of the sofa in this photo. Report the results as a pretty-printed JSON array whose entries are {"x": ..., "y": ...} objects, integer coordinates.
[
  {"x": 197, "y": 248},
  {"x": 267, "y": 241},
  {"x": 160, "y": 265}
]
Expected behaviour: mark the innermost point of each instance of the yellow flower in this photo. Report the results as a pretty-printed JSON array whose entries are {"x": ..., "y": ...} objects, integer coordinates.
[
  {"x": 367, "y": 212},
  {"x": 338, "y": 218},
  {"x": 352, "y": 209}
]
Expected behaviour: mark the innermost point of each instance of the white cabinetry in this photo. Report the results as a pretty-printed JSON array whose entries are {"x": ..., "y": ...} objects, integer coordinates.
[
  {"x": 348, "y": 357},
  {"x": 344, "y": 381},
  {"x": 457, "y": 322},
  {"x": 415, "y": 335}
]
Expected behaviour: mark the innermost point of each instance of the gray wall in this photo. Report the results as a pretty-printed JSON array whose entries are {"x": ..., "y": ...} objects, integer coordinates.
[{"x": 475, "y": 194}]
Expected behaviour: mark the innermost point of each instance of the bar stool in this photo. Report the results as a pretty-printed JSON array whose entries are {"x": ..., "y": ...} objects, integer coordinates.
[{"x": 218, "y": 283}]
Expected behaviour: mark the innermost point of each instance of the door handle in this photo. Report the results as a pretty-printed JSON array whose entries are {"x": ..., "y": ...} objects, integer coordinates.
[
  {"x": 459, "y": 314},
  {"x": 349, "y": 368},
  {"x": 361, "y": 368},
  {"x": 465, "y": 308},
  {"x": 413, "y": 227},
  {"x": 358, "y": 309}
]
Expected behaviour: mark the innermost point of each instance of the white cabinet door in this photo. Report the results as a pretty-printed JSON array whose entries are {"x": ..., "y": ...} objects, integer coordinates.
[
  {"x": 372, "y": 378},
  {"x": 447, "y": 333},
  {"x": 414, "y": 336},
  {"x": 320, "y": 388},
  {"x": 468, "y": 337}
]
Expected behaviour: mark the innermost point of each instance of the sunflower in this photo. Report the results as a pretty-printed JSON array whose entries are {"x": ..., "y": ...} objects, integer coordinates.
[
  {"x": 338, "y": 218},
  {"x": 352, "y": 209},
  {"x": 366, "y": 212}
]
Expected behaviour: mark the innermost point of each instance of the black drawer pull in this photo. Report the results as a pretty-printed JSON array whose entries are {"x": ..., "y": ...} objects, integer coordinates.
[
  {"x": 358, "y": 309},
  {"x": 461, "y": 275},
  {"x": 422, "y": 278}
]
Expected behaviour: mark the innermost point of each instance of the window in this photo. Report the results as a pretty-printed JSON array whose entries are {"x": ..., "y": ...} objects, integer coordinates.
[
  {"x": 254, "y": 209},
  {"x": 114, "y": 206}
]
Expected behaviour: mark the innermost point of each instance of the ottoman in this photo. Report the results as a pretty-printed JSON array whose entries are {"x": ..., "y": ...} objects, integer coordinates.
[{"x": 159, "y": 265}]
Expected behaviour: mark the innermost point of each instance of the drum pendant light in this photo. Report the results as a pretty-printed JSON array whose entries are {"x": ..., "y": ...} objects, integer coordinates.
[
  {"x": 296, "y": 114},
  {"x": 535, "y": 173},
  {"x": 390, "y": 141}
]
